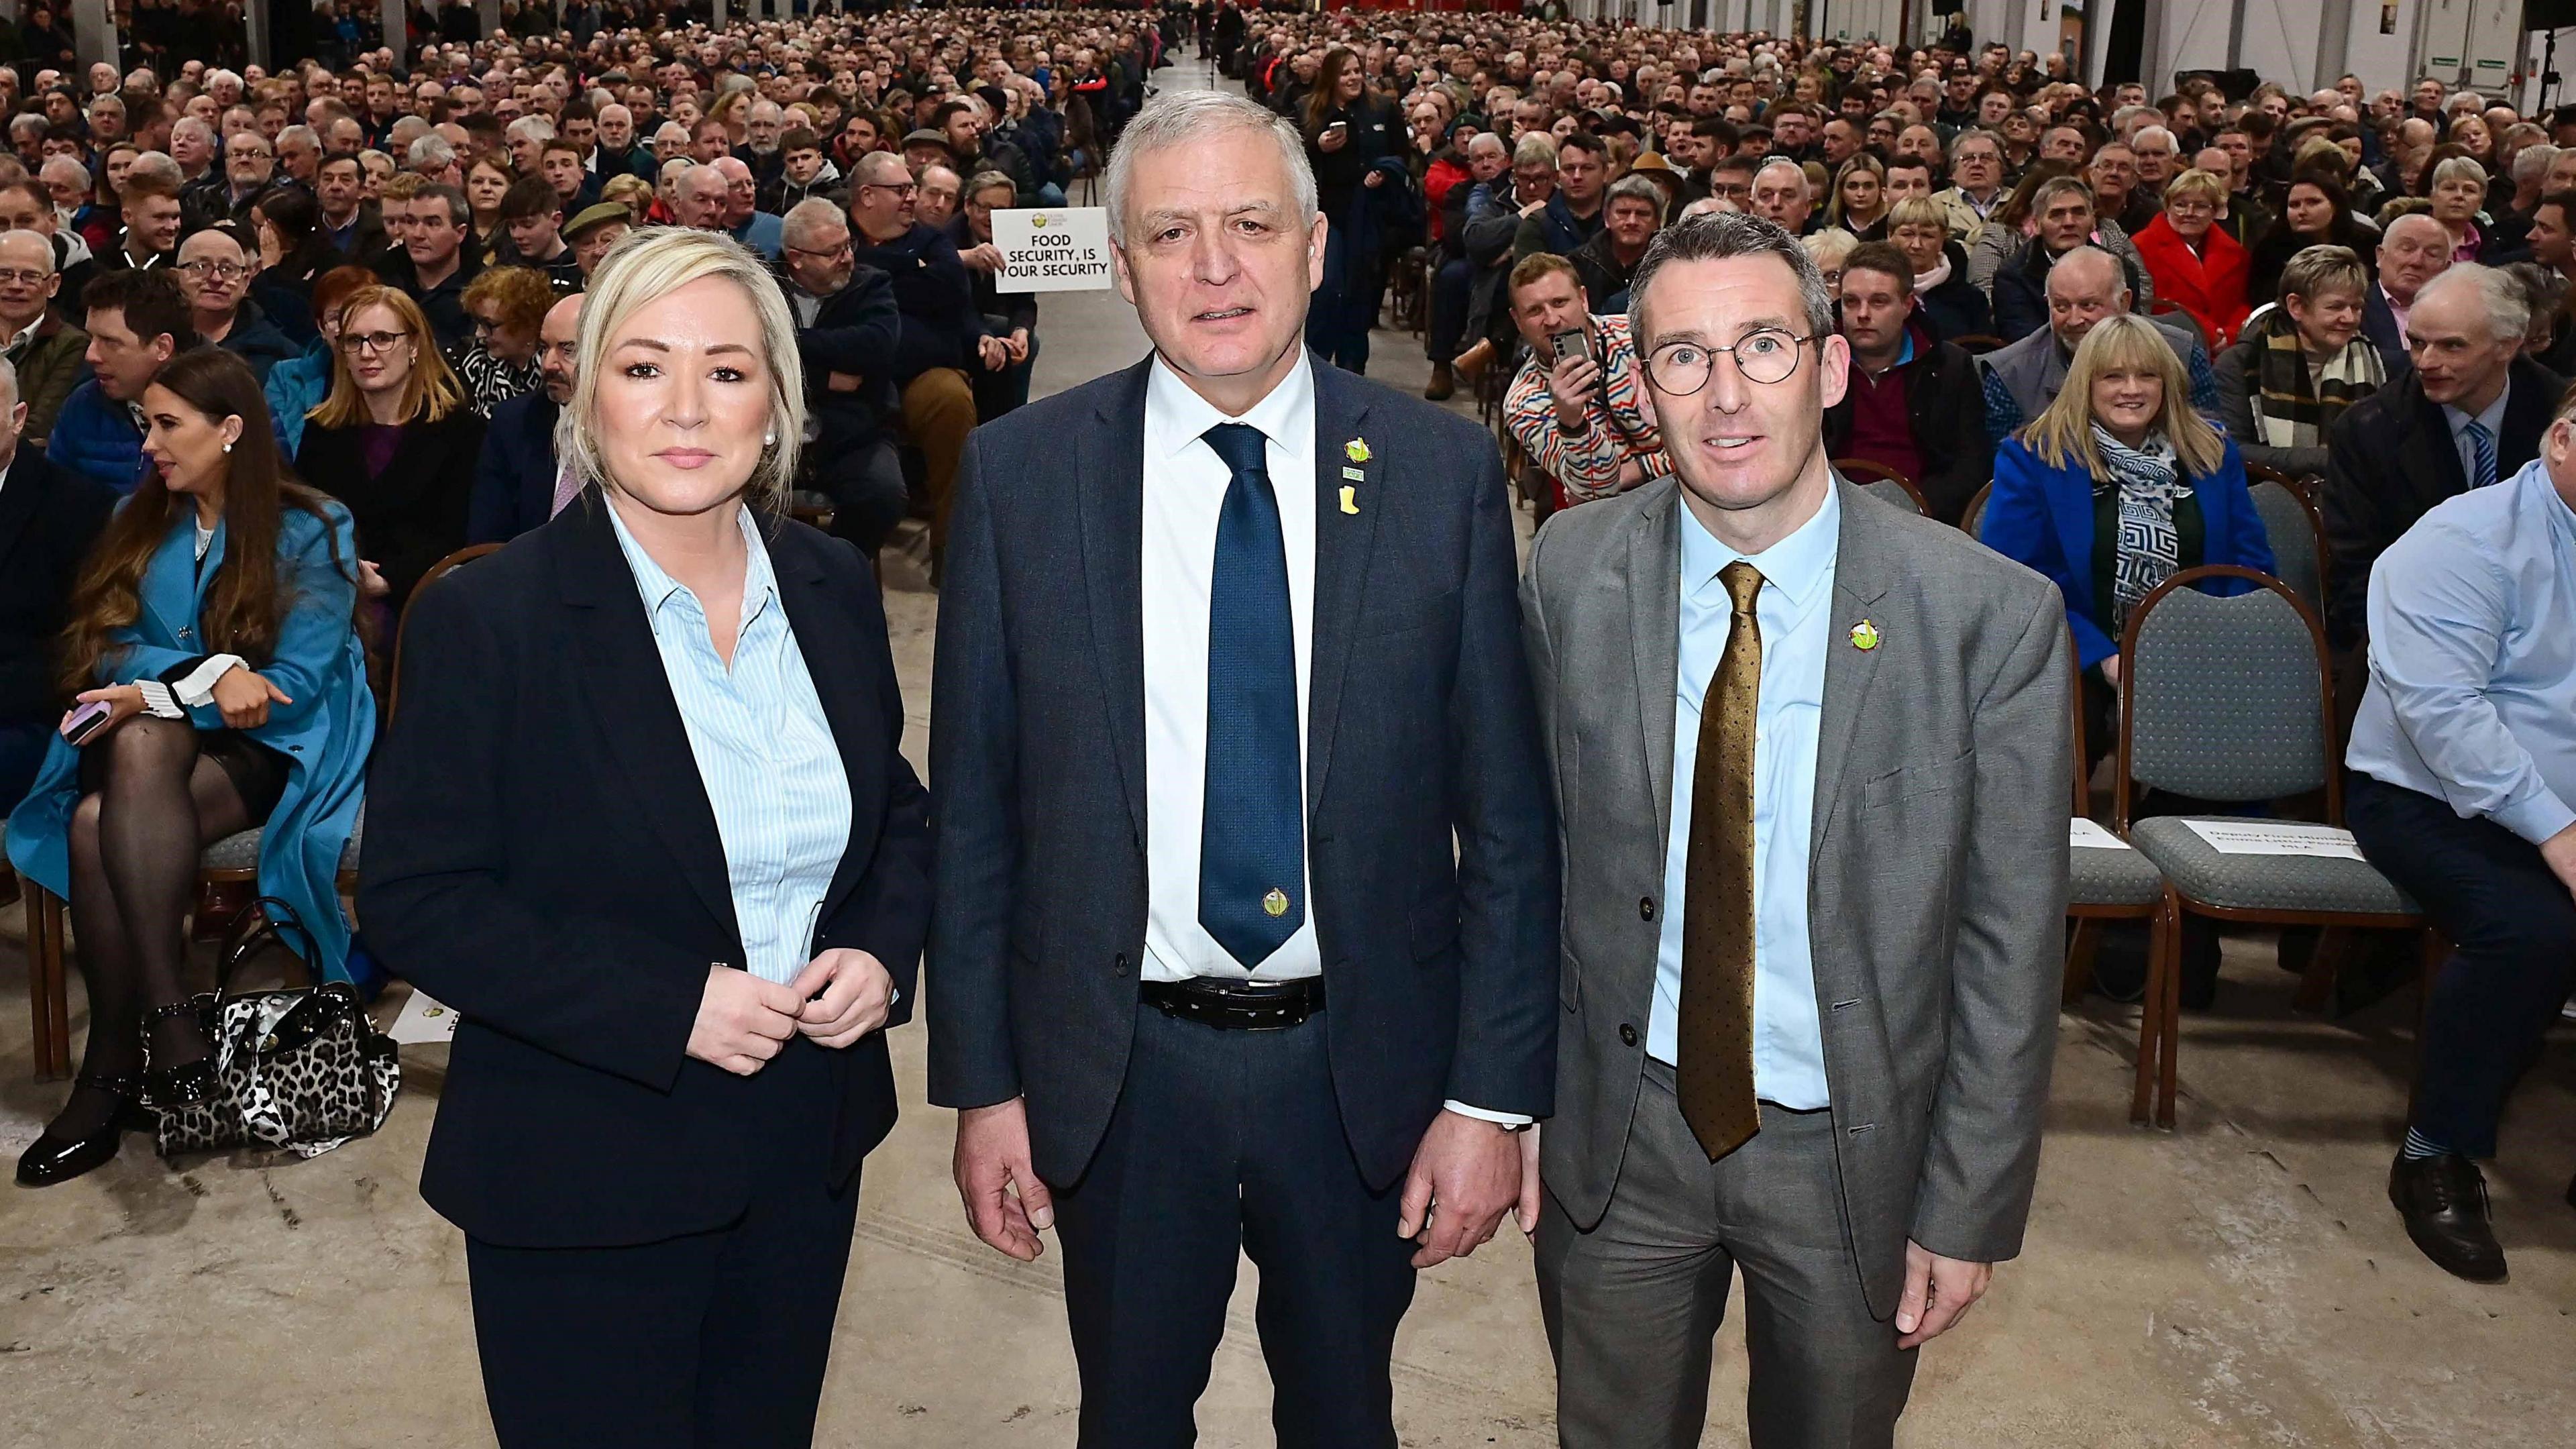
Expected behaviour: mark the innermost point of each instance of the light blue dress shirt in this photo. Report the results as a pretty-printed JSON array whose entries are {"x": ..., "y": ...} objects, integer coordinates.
[
  {"x": 1793, "y": 606},
  {"x": 2492, "y": 419},
  {"x": 2472, "y": 696},
  {"x": 765, "y": 753}
]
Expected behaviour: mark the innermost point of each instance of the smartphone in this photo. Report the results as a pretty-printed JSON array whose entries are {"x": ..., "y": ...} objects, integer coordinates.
[
  {"x": 1570, "y": 343},
  {"x": 87, "y": 721},
  {"x": 1341, "y": 127}
]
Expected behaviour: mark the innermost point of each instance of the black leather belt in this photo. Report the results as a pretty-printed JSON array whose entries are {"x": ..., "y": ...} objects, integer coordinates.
[{"x": 1238, "y": 1005}]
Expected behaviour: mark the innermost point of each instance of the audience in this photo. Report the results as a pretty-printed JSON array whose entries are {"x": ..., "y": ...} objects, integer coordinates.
[
  {"x": 2463, "y": 766},
  {"x": 1632, "y": 212},
  {"x": 2412, "y": 251},
  {"x": 1951, "y": 305},
  {"x": 2195, "y": 265},
  {"x": 518, "y": 481},
  {"x": 848, "y": 324},
  {"x": 214, "y": 274},
  {"x": 2022, "y": 379},
  {"x": 533, "y": 216},
  {"x": 137, "y": 322},
  {"x": 508, "y": 305},
  {"x": 1911, "y": 402},
  {"x": 942, "y": 334},
  {"x": 236, "y": 694},
  {"x": 433, "y": 266},
  {"x": 396, "y": 440},
  {"x": 2061, "y": 217},
  {"x": 1578, "y": 406},
  {"x": 1010, "y": 318},
  {"x": 297, "y": 386},
  {"x": 48, "y": 519},
  {"x": 45, "y": 353}
]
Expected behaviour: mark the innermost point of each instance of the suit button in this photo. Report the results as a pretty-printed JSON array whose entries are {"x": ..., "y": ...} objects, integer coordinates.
[
  {"x": 1121, "y": 968},
  {"x": 1646, "y": 908},
  {"x": 1627, "y": 1034}
]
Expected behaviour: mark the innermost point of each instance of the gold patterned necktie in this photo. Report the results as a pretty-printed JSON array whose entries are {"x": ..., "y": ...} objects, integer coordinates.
[{"x": 1716, "y": 1038}]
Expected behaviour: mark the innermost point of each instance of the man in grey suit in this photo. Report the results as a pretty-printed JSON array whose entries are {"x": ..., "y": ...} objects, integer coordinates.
[{"x": 1810, "y": 757}]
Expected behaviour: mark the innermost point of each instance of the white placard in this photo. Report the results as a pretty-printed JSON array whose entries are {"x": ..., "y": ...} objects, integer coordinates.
[
  {"x": 2089, "y": 835},
  {"x": 2268, "y": 837},
  {"x": 424, "y": 1021},
  {"x": 1053, "y": 249}
]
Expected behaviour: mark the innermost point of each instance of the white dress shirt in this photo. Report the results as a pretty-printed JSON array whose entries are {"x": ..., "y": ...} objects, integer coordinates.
[
  {"x": 1185, "y": 485},
  {"x": 2492, "y": 419}
]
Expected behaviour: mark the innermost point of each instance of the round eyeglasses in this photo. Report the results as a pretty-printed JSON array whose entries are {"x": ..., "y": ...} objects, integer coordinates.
[{"x": 1764, "y": 355}]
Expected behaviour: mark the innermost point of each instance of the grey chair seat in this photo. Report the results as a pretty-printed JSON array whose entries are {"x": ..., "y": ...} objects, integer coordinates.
[
  {"x": 241, "y": 851},
  {"x": 2263, "y": 882},
  {"x": 2098, "y": 877}
]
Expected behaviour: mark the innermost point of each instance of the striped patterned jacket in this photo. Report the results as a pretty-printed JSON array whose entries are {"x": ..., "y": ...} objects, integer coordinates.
[{"x": 1618, "y": 428}]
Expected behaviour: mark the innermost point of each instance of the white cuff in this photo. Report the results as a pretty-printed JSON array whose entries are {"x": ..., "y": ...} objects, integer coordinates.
[
  {"x": 157, "y": 700},
  {"x": 197, "y": 689},
  {"x": 1483, "y": 1114}
]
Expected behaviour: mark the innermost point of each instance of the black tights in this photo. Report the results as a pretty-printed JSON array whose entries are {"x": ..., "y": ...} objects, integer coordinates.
[{"x": 134, "y": 848}]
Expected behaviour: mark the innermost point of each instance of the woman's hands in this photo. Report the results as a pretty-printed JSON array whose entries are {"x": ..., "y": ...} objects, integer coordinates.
[
  {"x": 244, "y": 697},
  {"x": 371, "y": 580},
  {"x": 124, "y": 702},
  {"x": 743, "y": 1021}
]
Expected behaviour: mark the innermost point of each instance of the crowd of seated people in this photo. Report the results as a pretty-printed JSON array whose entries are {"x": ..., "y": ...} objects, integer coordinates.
[{"x": 328, "y": 311}]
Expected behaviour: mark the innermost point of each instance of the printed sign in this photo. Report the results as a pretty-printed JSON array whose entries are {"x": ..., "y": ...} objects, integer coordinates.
[
  {"x": 1053, "y": 249},
  {"x": 424, "y": 1022},
  {"x": 2263, "y": 837}
]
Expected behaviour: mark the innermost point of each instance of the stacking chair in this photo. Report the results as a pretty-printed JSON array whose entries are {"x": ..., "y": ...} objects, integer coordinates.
[
  {"x": 2106, "y": 885},
  {"x": 230, "y": 861},
  {"x": 1972, "y": 522},
  {"x": 2227, "y": 699},
  {"x": 1884, "y": 484},
  {"x": 2297, "y": 537}
]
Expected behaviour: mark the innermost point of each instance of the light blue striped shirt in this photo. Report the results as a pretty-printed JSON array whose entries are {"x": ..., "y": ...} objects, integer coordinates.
[
  {"x": 765, "y": 753},
  {"x": 1796, "y": 613}
]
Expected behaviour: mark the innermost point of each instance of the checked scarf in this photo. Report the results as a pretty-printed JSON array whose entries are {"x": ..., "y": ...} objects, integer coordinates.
[
  {"x": 2292, "y": 412},
  {"x": 2149, "y": 479}
]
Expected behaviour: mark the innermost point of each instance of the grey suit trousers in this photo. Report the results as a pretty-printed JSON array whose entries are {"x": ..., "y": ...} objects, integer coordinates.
[{"x": 1633, "y": 1305}]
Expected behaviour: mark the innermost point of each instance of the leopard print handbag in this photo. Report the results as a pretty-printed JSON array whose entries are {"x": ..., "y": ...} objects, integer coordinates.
[{"x": 302, "y": 1070}]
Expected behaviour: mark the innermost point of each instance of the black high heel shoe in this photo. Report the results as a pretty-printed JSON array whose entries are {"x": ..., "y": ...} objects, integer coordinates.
[
  {"x": 185, "y": 1083},
  {"x": 52, "y": 1159}
]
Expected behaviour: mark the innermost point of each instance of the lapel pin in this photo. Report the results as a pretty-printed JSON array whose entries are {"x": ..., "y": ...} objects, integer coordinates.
[
  {"x": 1357, "y": 450},
  {"x": 1864, "y": 635},
  {"x": 1350, "y": 500}
]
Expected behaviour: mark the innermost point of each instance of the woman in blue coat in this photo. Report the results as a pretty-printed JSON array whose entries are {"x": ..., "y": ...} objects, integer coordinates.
[
  {"x": 216, "y": 622},
  {"x": 2117, "y": 487}
]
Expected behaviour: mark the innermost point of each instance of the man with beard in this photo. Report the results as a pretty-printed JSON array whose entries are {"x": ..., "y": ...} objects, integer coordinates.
[{"x": 519, "y": 484}]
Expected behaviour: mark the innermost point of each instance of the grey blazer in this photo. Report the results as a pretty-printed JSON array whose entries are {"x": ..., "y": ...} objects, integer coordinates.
[{"x": 1936, "y": 884}]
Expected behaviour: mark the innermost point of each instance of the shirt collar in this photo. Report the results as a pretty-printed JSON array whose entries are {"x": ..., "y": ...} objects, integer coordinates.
[
  {"x": 1798, "y": 565},
  {"x": 2492, "y": 416},
  {"x": 1176, "y": 416},
  {"x": 759, "y": 582}
]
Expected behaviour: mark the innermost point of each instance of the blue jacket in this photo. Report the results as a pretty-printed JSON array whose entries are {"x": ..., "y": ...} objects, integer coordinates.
[
  {"x": 95, "y": 435},
  {"x": 2043, "y": 517},
  {"x": 514, "y": 479},
  {"x": 296, "y": 387},
  {"x": 325, "y": 732}
]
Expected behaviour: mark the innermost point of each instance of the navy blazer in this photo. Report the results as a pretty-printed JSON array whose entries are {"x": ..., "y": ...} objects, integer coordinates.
[
  {"x": 514, "y": 479},
  {"x": 2379, "y": 324},
  {"x": 541, "y": 856},
  {"x": 2043, "y": 517},
  {"x": 1431, "y": 837}
]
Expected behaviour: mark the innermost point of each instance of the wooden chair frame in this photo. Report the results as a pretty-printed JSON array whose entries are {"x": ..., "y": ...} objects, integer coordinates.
[
  {"x": 2163, "y": 1014},
  {"x": 1862, "y": 470}
]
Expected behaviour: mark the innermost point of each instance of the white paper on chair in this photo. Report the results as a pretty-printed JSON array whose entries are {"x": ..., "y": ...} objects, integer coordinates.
[
  {"x": 2267, "y": 837},
  {"x": 424, "y": 1021},
  {"x": 2086, "y": 834}
]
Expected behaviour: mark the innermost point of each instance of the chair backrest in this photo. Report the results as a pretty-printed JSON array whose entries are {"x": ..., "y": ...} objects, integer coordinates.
[
  {"x": 2225, "y": 698},
  {"x": 437, "y": 571},
  {"x": 1883, "y": 483},
  {"x": 2291, "y": 526},
  {"x": 1972, "y": 522},
  {"x": 1977, "y": 344}
]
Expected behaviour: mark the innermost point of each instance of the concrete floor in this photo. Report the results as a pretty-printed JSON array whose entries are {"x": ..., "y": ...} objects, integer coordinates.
[{"x": 2239, "y": 1282}]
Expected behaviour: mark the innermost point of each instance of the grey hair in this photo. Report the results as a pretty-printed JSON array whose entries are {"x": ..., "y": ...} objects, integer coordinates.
[
  {"x": 1179, "y": 118},
  {"x": 2090, "y": 253},
  {"x": 432, "y": 153},
  {"x": 531, "y": 128},
  {"x": 156, "y": 164},
  {"x": 646, "y": 266},
  {"x": 1538, "y": 148},
  {"x": 301, "y": 133},
  {"x": 2533, "y": 162},
  {"x": 1486, "y": 138},
  {"x": 2458, "y": 168},
  {"x": 2159, "y": 132},
  {"x": 1636, "y": 187},
  {"x": 2508, "y": 305},
  {"x": 989, "y": 180},
  {"x": 808, "y": 217},
  {"x": 1723, "y": 236}
]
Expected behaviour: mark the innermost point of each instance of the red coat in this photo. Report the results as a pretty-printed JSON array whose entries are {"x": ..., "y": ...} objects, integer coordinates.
[{"x": 2209, "y": 285}]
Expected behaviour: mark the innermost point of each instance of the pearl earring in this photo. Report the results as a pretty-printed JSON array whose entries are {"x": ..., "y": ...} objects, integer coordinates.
[
  {"x": 228, "y": 447},
  {"x": 769, "y": 441}
]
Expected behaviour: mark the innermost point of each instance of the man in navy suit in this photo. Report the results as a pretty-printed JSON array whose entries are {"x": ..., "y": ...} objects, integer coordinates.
[
  {"x": 1246, "y": 916},
  {"x": 516, "y": 483}
]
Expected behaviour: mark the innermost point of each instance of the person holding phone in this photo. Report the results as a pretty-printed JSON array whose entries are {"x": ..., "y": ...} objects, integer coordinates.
[
  {"x": 219, "y": 682},
  {"x": 644, "y": 822},
  {"x": 1363, "y": 187},
  {"x": 1576, "y": 405}
]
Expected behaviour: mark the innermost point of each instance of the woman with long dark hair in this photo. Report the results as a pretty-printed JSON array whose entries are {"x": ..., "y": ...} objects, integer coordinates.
[
  {"x": 1357, "y": 150},
  {"x": 2317, "y": 212},
  {"x": 219, "y": 682}
]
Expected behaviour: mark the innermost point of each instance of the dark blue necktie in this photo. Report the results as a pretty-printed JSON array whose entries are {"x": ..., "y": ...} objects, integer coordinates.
[{"x": 1252, "y": 833}]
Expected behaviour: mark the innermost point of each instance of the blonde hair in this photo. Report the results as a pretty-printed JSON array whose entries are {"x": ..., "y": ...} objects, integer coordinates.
[
  {"x": 2062, "y": 436},
  {"x": 429, "y": 394},
  {"x": 1917, "y": 211},
  {"x": 2197, "y": 182},
  {"x": 642, "y": 269}
]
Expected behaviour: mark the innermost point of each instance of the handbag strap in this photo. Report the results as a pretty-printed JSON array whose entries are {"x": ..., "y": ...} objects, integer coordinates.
[{"x": 267, "y": 916}]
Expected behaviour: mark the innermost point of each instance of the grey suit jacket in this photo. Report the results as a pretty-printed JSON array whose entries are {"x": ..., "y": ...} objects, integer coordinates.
[{"x": 1937, "y": 879}]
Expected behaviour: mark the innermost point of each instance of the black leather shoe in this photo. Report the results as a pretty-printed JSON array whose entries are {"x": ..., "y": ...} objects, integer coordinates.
[
  {"x": 185, "y": 1083},
  {"x": 51, "y": 1159},
  {"x": 2443, "y": 1201}
]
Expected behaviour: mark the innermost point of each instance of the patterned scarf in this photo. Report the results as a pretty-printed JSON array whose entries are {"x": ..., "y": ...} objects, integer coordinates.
[
  {"x": 2149, "y": 479},
  {"x": 2290, "y": 411}
]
